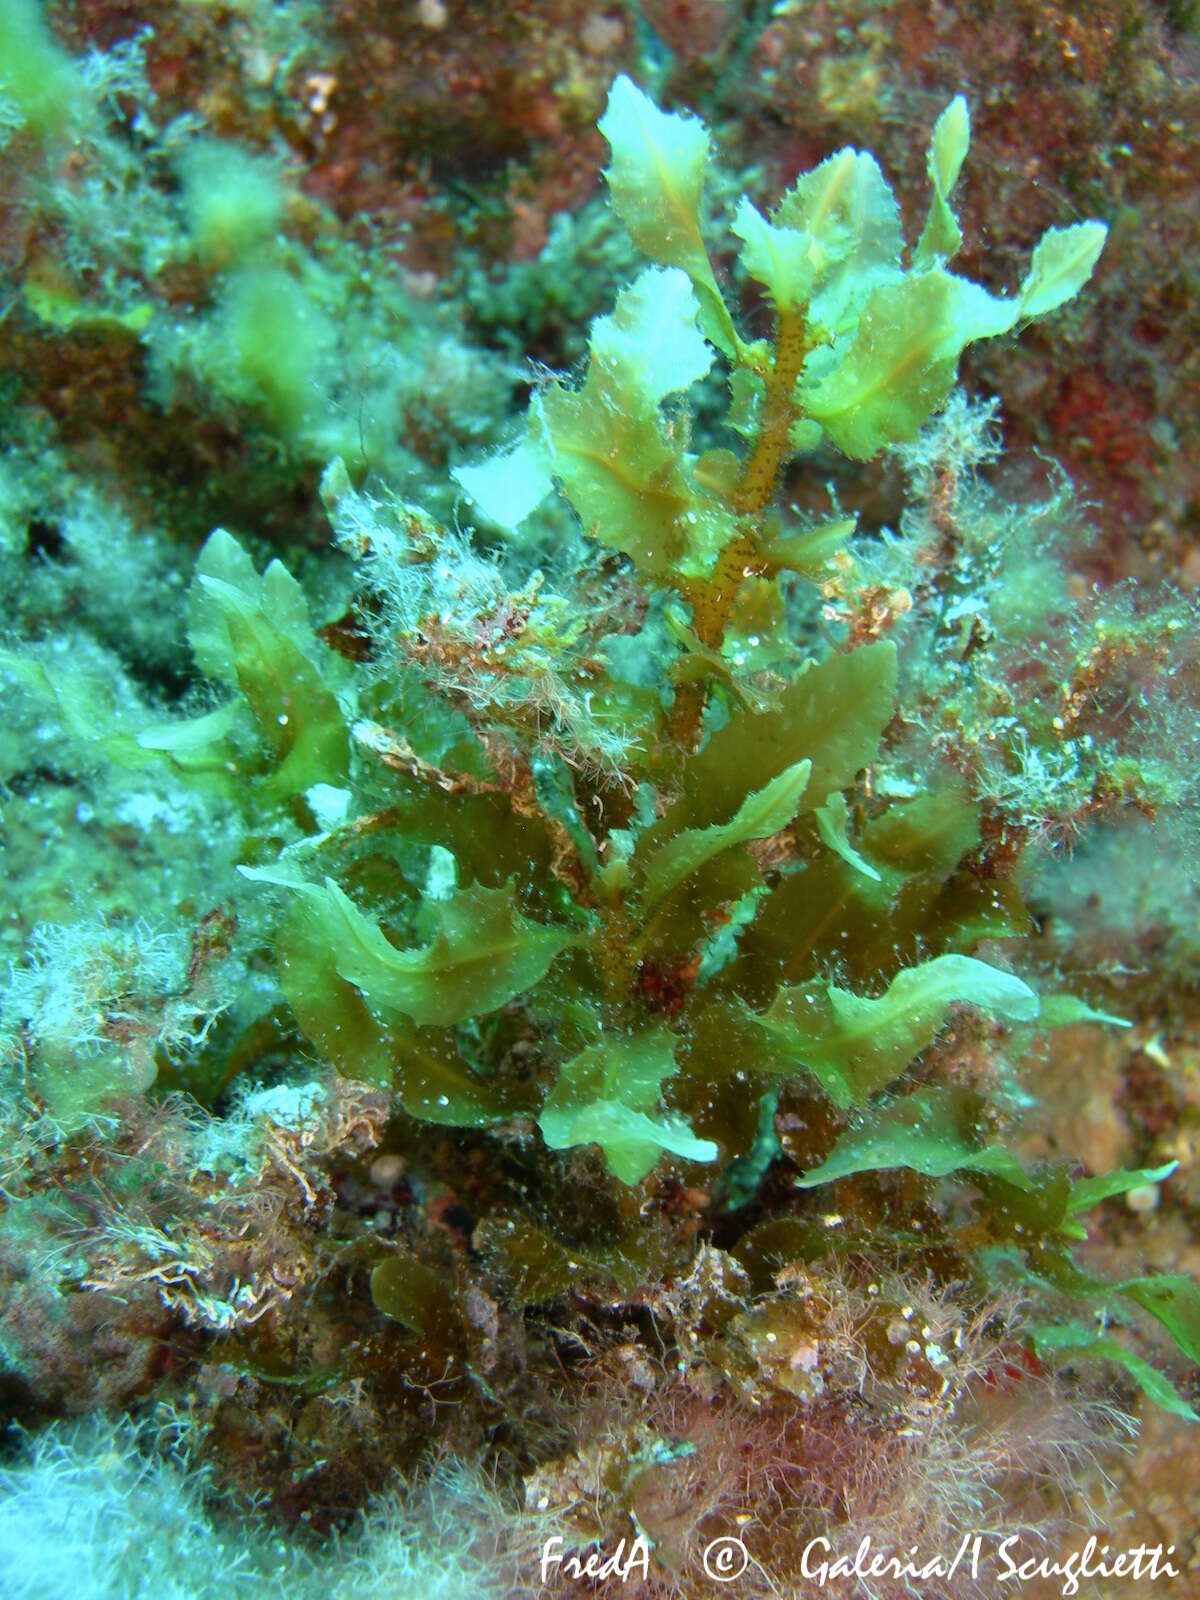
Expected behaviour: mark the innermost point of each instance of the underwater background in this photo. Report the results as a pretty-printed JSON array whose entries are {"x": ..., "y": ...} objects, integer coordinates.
[{"x": 599, "y": 759}]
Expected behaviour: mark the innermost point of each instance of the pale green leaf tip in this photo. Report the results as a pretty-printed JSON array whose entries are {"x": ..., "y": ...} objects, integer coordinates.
[
  {"x": 1062, "y": 263},
  {"x": 608, "y": 1095},
  {"x": 631, "y": 120},
  {"x": 507, "y": 488},
  {"x": 949, "y": 143}
]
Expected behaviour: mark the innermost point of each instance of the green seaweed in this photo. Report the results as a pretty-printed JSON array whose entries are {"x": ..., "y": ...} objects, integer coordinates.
[{"x": 644, "y": 817}]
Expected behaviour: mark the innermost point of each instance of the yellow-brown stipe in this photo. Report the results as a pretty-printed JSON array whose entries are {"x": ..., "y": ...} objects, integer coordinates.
[
  {"x": 711, "y": 598},
  {"x": 757, "y": 488}
]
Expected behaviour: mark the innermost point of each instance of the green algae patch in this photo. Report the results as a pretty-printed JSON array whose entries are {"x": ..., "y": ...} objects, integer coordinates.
[
  {"x": 609, "y": 1095},
  {"x": 481, "y": 952},
  {"x": 252, "y": 633},
  {"x": 765, "y": 812},
  {"x": 856, "y": 1045}
]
